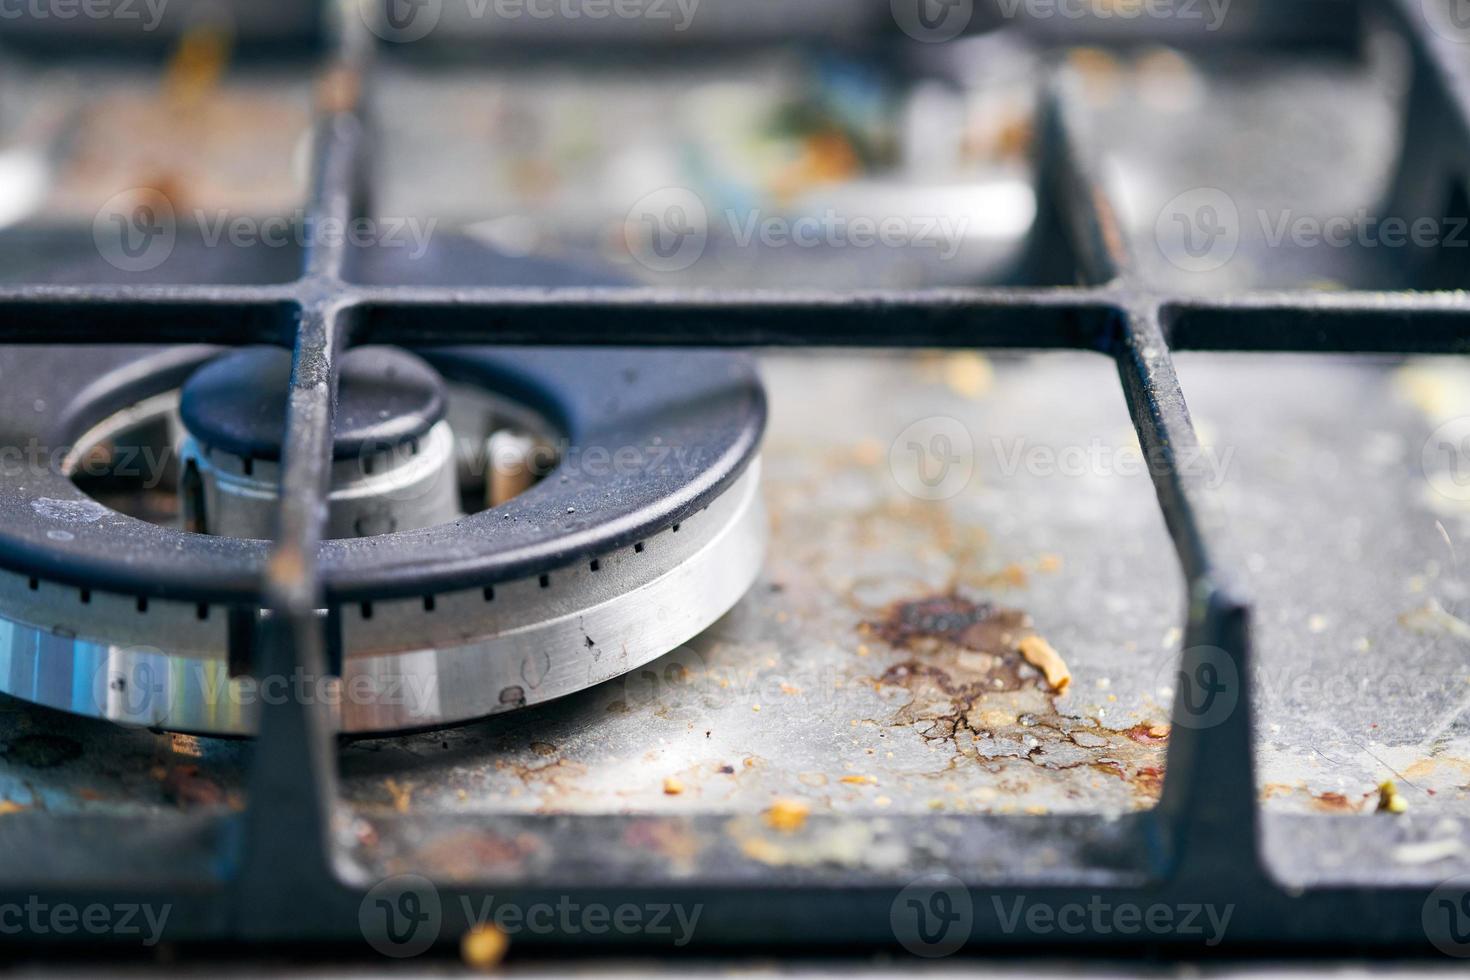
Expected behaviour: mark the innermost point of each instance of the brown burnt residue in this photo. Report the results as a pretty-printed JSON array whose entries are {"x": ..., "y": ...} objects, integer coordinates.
[
  {"x": 971, "y": 688},
  {"x": 950, "y": 618}
]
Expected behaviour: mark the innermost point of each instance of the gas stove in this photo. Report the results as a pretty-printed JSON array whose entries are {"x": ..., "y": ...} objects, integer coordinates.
[{"x": 474, "y": 480}]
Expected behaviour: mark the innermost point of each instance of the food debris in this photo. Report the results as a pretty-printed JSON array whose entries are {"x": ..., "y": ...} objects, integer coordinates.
[
  {"x": 1432, "y": 618},
  {"x": 187, "y": 786},
  {"x": 402, "y": 794},
  {"x": 1043, "y": 657},
  {"x": 1390, "y": 800},
  {"x": 787, "y": 816},
  {"x": 10, "y": 806},
  {"x": 860, "y": 780},
  {"x": 483, "y": 947},
  {"x": 672, "y": 786},
  {"x": 1049, "y": 563},
  {"x": 968, "y": 374}
]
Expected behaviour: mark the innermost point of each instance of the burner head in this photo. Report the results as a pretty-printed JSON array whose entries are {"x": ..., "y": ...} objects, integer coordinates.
[
  {"x": 393, "y": 456},
  {"x": 641, "y": 527},
  {"x": 386, "y": 397}
]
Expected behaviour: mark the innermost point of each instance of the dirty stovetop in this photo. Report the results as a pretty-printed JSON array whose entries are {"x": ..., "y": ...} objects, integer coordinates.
[{"x": 874, "y": 668}]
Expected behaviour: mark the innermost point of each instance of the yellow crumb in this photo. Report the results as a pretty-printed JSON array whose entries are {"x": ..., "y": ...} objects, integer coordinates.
[
  {"x": 788, "y": 816},
  {"x": 483, "y": 947},
  {"x": 860, "y": 780},
  {"x": 672, "y": 786},
  {"x": 1049, "y": 563},
  {"x": 968, "y": 374},
  {"x": 402, "y": 794},
  {"x": 1039, "y": 654},
  {"x": 10, "y": 806},
  {"x": 1389, "y": 798}
]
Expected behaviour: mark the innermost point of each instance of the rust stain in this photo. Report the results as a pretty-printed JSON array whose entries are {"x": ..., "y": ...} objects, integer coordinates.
[
  {"x": 972, "y": 689},
  {"x": 1333, "y": 803},
  {"x": 186, "y": 786},
  {"x": 1147, "y": 733},
  {"x": 468, "y": 854}
]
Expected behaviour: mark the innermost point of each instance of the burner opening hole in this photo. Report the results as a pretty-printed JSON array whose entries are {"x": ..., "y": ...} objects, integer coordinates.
[
  {"x": 546, "y": 581},
  {"x": 367, "y": 610}
]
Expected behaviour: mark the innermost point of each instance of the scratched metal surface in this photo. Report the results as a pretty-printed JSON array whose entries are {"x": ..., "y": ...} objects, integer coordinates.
[
  {"x": 1361, "y": 638},
  {"x": 798, "y": 695}
]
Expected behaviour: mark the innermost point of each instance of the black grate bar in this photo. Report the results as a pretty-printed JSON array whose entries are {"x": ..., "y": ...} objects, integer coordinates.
[
  {"x": 1208, "y": 808},
  {"x": 643, "y": 317}
]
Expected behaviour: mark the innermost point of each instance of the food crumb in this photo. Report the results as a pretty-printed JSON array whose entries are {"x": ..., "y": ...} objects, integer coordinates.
[
  {"x": 1390, "y": 800},
  {"x": 483, "y": 947},
  {"x": 1043, "y": 657},
  {"x": 1049, "y": 563},
  {"x": 672, "y": 786},
  {"x": 402, "y": 794},
  {"x": 787, "y": 816},
  {"x": 860, "y": 780},
  {"x": 10, "y": 806}
]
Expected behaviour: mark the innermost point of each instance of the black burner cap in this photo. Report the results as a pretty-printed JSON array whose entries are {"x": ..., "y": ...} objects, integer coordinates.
[{"x": 237, "y": 402}]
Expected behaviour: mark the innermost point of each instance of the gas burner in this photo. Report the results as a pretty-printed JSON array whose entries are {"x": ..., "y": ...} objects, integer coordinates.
[{"x": 506, "y": 526}]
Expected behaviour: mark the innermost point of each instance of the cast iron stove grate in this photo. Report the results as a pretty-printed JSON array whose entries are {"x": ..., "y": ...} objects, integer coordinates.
[{"x": 275, "y": 878}]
